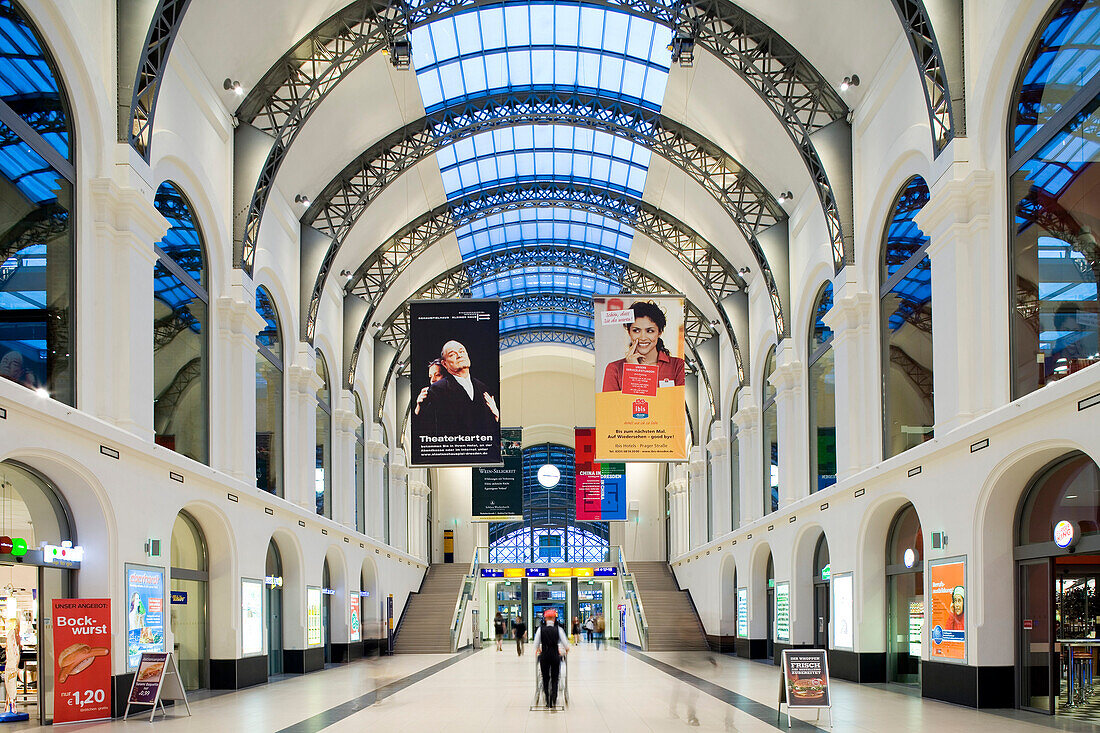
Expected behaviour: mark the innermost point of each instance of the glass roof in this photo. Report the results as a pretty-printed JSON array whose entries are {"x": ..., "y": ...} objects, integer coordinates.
[
  {"x": 27, "y": 83},
  {"x": 29, "y": 171},
  {"x": 562, "y": 47},
  {"x": 544, "y": 226},
  {"x": 911, "y": 293},
  {"x": 903, "y": 236},
  {"x": 822, "y": 333},
  {"x": 176, "y": 295},
  {"x": 269, "y": 336},
  {"x": 541, "y": 45},
  {"x": 1065, "y": 58},
  {"x": 183, "y": 242}
]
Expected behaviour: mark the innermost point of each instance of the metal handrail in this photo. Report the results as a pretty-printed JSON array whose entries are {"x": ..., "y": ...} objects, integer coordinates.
[
  {"x": 630, "y": 588},
  {"x": 469, "y": 583}
]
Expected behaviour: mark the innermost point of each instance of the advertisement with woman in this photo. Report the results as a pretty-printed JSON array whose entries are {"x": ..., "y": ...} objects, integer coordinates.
[
  {"x": 640, "y": 374},
  {"x": 144, "y": 613},
  {"x": 947, "y": 579}
]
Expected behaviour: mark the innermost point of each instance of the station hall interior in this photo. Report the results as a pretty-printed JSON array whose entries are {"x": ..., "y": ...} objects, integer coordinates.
[{"x": 294, "y": 292}]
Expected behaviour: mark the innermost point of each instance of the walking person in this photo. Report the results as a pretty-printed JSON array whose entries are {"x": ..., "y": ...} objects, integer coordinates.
[
  {"x": 550, "y": 646},
  {"x": 599, "y": 630},
  {"x": 589, "y": 627},
  {"x": 575, "y": 630},
  {"x": 498, "y": 629},
  {"x": 520, "y": 630}
]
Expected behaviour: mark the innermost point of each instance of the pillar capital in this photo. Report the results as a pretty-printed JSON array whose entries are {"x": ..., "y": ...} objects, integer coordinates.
[{"x": 956, "y": 201}]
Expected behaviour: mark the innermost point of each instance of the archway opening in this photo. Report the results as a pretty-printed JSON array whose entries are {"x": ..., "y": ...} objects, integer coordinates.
[
  {"x": 189, "y": 602},
  {"x": 273, "y": 582},
  {"x": 905, "y": 609}
]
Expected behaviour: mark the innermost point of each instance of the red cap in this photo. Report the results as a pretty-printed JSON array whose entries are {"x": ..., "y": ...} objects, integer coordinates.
[{"x": 550, "y": 614}]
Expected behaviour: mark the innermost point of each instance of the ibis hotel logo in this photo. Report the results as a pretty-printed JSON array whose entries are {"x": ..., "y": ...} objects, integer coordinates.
[{"x": 641, "y": 409}]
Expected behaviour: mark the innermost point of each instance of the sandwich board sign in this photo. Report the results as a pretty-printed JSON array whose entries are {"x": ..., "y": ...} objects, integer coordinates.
[
  {"x": 157, "y": 679},
  {"x": 804, "y": 682}
]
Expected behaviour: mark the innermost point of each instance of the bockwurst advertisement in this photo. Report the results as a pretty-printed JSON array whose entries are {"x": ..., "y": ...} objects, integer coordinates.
[
  {"x": 455, "y": 371},
  {"x": 82, "y": 659},
  {"x": 640, "y": 372}
]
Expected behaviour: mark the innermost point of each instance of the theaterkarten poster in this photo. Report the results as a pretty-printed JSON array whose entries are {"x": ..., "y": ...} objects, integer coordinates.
[{"x": 455, "y": 374}]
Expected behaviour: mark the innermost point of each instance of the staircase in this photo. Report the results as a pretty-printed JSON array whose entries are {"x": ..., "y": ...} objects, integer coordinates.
[
  {"x": 673, "y": 623},
  {"x": 425, "y": 626}
]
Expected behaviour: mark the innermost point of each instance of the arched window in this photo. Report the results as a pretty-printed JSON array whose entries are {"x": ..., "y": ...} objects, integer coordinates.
[
  {"x": 905, "y": 597},
  {"x": 735, "y": 468},
  {"x": 822, "y": 611},
  {"x": 770, "y": 432},
  {"x": 269, "y": 398},
  {"x": 549, "y": 531},
  {"x": 906, "y": 296},
  {"x": 190, "y": 621},
  {"x": 822, "y": 396},
  {"x": 1069, "y": 490},
  {"x": 322, "y": 480},
  {"x": 360, "y": 466},
  {"x": 37, "y": 340},
  {"x": 1055, "y": 259},
  {"x": 180, "y": 312}
]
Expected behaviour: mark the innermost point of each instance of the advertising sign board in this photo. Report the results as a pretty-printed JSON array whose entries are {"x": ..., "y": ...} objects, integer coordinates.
[
  {"x": 601, "y": 487},
  {"x": 145, "y": 612},
  {"x": 783, "y": 611},
  {"x": 805, "y": 679},
  {"x": 640, "y": 378},
  {"x": 947, "y": 588},
  {"x": 497, "y": 491},
  {"x": 743, "y": 612},
  {"x": 252, "y": 616},
  {"x": 81, "y": 659},
  {"x": 455, "y": 373},
  {"x": 313, "y": 616},
  {"x": 842, "y": 623},
  {"x": 355, "y": 619}
]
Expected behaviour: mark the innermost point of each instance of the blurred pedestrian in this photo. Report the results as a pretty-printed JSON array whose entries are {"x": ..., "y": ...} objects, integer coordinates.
[
  {"x": 519, "y": 628},
  {"x": 575, "y": 631},
  {"x": 498, "y": 629},
  {"x": 599, "y": 631}
]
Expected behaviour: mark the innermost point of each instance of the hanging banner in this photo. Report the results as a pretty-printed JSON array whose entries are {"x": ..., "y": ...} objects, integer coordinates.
[
  {"x": 601, "y": 487},
  {"x": 455, "y": 373},
  {"x": 355, "y": 620},
  {"x": 145, "y": 613},
  {"x": 640, "y": 378},
  {"x": 947, "y": 586},
  {"x": 82, "y": 680},
  {"x": 497, "y": 491}
]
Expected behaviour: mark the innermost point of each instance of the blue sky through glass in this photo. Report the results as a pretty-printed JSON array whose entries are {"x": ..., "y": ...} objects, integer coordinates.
[
  {"x": 26, "y": 80},
  {"x": 566, "y": 48}
]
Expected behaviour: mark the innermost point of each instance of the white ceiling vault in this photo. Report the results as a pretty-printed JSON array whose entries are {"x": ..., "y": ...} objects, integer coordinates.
[{"x": 546, "y": 52}]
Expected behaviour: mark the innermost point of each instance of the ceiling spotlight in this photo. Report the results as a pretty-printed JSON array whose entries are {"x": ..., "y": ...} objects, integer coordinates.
[
  {"x": 400, "y": 53},
  {"x": 346, "y": 274},
  {"x": 849, "y": 81},
  {"x": 785, "y": 197},
  {"x": 683, "y": 49},
  {"x": 744, "y": 271},
  {"x": 302, "y": 199},
  {"x": 233, "y": 86}
]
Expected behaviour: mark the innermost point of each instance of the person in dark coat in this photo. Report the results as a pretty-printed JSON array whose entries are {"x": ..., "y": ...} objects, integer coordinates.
[{"x": 458, "y": 404}]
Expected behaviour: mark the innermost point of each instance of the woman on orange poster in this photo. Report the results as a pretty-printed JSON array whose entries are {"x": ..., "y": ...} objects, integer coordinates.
[{"x": 646, "y": 347}]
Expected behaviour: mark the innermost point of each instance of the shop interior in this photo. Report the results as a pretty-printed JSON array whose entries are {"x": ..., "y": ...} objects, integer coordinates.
[{"x": 572, "y": 597}]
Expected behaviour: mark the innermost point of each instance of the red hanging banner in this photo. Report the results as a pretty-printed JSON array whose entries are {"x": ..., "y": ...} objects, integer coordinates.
[{"x": 82, "y": 659}]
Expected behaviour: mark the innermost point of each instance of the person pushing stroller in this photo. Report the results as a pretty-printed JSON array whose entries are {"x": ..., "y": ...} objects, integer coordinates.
[{"x": 550, "y": 645}]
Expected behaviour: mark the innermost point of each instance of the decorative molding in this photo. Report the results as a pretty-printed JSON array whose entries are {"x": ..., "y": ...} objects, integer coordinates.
[{"x": 958, "y": 201}]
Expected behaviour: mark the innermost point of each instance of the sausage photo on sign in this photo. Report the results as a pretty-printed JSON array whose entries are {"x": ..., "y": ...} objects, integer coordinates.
[{"x": 77, "y": 658}]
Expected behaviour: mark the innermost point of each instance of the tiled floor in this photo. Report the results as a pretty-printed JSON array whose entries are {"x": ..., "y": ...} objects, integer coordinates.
[{"x": 609, "y": 690}]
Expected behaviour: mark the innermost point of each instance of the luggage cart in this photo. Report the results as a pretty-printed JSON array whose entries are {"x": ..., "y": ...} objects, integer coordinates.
[{"x": 563, "y": 686}]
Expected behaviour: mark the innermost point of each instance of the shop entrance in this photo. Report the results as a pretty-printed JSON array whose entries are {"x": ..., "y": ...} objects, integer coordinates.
[
  {"x": 905, "y": 598},
  {"x": 273, "y": 582},
  {"x": 1058, "y": 591},
  {"x": 822, "y": 572},
  {"x": 771, "y": 609},
  {"x": 509, "y": 599},
  {"x": 326, "y": 611},
  {"x": 31, "y": 510},
  {"x": 590, "y": 600},
  {"x": 549, "y": 594},
  {"x": 188, "y": 603}
]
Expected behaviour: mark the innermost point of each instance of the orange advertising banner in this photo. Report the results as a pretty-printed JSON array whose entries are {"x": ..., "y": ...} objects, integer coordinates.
[
  {"x": 947, "y": 580},
  {"x": 640, "y": 373}
]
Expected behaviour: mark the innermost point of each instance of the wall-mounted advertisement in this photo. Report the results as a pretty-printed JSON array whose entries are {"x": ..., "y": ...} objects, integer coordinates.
[
  {"x": 497, "y": 491},
  {"x": 145, "y": 612},
  {"x": 783, "y": 612},
  {"x": 640, "y": 378},
  {"x": 842, "y": 623},
  {"x": 947, "y": 588},
  {"x": 601, "y": 487},
  {"x": 355, "y": 618},
  {"x": 455, "y": 373},
  {"x": 743, "y": 613},
  {"x": 252, "y": 616},
  {"x": 313, "y": 616}
]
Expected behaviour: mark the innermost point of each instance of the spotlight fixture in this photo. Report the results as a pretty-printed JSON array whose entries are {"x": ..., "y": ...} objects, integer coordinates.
[
  {"x": 785, "y": 197},
  {"x": 849, "y": 81},
  {"x": 744, "y": 271},
  {"x": 346, "y": 274},
  {"x": 301, "y": 199},
  {"x": 400, "y": 53},
  {"x": 683, "y": 49},
  {"x": 233, "y": 86}
]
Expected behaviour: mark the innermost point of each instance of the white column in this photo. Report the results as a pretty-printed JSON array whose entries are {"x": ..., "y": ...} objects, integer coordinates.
[
  {"x": 677, "y": 492},
  {"x": 345, "y": 421},
  {"x": 857, "y": 360},
  {"x": 418, "y": 495},
  {"x": 399, "y": 502},
  {"x": 375, "y": 505},
  {"x": 790, "y": 407},
  {"x": 697, "y": 498},
  {"x": 114, "y": 340},
  {"x": 233, "y": 380},
  {"x": 751, "y": 448},
  {"x": 970, "y": 359},
  {"x": 720, "y": 476},
  {"x": 302, "y": 383}
]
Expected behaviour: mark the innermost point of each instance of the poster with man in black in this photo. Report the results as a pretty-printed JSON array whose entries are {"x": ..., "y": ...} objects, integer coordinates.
[{"x": 455, "y": 373}]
